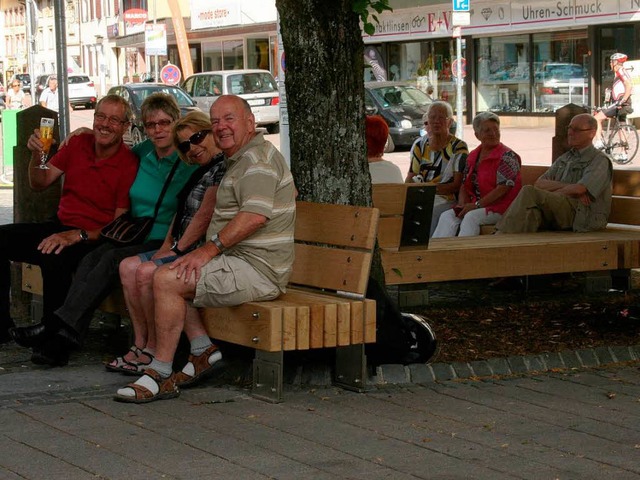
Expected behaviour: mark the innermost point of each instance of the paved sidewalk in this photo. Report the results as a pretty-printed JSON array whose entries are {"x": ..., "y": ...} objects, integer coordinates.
[{"x": 582, "y": 424}]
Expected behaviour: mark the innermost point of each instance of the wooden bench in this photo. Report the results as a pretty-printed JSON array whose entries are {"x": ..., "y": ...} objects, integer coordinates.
[
  {"x": 488, "y": 256},
  {"x": 324, "y": 306}
]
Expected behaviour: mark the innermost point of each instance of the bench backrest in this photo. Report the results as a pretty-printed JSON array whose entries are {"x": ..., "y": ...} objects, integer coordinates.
[
  {"x": 405, "y": 214},
  {"x": 334, "y": 246}
]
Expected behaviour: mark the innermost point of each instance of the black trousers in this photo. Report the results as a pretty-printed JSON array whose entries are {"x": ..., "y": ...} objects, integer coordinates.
[
  {"x": 97, "y": 274},
  {"x": 19, "y": 242}
]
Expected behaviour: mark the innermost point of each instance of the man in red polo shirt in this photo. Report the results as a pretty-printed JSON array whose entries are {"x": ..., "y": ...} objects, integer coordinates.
[{"x": 98, "y": 172}]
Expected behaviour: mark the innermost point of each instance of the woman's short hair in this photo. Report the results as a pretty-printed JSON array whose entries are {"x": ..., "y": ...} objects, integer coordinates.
[
  {"x": 377, "y": 132},
  {"x": 438, "y": 104},
  {"x": 483, "y": 117},
  {"x": 164, "y": 102},
  {"x": 196, "y": 121}
]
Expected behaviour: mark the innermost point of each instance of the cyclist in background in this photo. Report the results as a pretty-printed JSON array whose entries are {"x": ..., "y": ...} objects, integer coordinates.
[{"x": 620, "y": 94}]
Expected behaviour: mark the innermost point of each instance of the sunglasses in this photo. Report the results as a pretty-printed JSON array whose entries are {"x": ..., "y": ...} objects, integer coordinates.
[{"x": 195, "y": 139}]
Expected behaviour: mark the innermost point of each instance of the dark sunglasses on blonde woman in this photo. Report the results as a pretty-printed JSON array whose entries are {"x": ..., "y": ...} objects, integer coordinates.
[{"x": 195, "y": 139}]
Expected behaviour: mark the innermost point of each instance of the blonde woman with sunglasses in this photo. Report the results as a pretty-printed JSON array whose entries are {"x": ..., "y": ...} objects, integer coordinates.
[{"x": 193, "y": 138}]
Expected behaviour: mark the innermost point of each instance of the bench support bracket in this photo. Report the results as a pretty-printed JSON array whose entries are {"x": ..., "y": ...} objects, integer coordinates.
[
  {"x": 267, "y": 376},
  {"x": 351, "y": 367}
]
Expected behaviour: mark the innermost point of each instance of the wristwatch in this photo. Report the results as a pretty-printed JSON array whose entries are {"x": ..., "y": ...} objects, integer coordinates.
[
  {"x": 175, "y": 249},
  {"x": 84, "y": 236},
  {"x": 216, "y": 241},
  {"x": 478, "y": 204}
]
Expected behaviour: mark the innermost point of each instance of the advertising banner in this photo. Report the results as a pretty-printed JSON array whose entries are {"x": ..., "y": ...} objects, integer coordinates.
[{"x": 155, "y": 39}]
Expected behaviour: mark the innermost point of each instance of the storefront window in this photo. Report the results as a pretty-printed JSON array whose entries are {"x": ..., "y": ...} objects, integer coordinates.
[
  {"x": 258, "y": 53},
  {"x": 232, "y": 57},
  {"x": 503, "y": 74},
  {"x": 533, "y": 73},
  {"x": 426, "y": 64},
  {"x": 561, "y": 66},
  {"x": 211, "y": 56}
]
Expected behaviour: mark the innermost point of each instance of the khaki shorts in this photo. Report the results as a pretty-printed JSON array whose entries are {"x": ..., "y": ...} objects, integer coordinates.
[{"x": 227, "y": 281}]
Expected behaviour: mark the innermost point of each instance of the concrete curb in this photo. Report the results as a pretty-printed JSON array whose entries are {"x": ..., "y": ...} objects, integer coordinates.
[{"x": 517, "y": 365}]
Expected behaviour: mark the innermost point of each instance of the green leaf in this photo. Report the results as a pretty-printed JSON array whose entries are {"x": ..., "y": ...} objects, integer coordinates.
[{"x": 397, "y": 272}]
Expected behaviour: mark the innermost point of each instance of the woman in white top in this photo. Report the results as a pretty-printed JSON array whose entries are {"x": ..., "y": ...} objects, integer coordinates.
[
  {"x": 15, "y": 96},
  {"x": 381, "y": 170}
]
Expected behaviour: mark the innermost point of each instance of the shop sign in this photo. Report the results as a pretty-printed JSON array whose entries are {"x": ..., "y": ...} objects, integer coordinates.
[
  {"x": 134, "y": 20},
  {"x": 536, "y": 11},
  {"x": 112, "y": 30},
  {"x": 413, "y": 22},
  {"x": 155, "y": 39},
  {"x": 208, "y": 14}
]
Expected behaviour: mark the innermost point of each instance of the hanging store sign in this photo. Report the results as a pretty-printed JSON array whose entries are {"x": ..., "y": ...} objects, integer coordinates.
[
  {"x": 155, "y": 39},
  {"x": 134, "y": 20}
]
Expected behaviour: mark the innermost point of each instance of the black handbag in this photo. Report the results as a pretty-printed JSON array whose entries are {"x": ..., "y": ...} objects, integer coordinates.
[{"x": 130, "y": 230}]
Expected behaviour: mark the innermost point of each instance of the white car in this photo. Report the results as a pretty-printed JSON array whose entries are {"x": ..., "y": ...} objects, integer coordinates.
[
  {"x": 258, "y": 87},
  {"x": 82, "y": 91}
]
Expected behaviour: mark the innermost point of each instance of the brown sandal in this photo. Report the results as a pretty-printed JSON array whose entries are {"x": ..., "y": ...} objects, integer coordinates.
[
  {"x": 167, "y": 388},
  {"x": 203, "y": 366},
  {"x": 133, "y": 367}
]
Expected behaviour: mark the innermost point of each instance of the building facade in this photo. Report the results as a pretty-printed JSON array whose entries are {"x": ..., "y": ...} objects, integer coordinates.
[{"x": 520, "y": 58}]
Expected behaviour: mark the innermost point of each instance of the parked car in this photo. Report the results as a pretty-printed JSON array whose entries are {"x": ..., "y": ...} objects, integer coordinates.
[
  {"x": 2, "y": 92},
  {"x": 82, "y": 91},
  {"x": 23, "y": 78},
  {"x": 135, "y": 93},
  {"x": 258, "y": 87},
  {"x": 42, "y": 81},
  {"x": 560, "y": 84},
  {"x": 401, "y": 105}
]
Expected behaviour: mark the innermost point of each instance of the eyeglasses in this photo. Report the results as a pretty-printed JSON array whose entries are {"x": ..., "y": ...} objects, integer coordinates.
[
  {"x": 160, "y": 123},
  {"x": 113, "y": 121},
  {"x": 195, "y": 139},
  {"x": 574, "y": 129},
  {"x": 15, "y": 85}
]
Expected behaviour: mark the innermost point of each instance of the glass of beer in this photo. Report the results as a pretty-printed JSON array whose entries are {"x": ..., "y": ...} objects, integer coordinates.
[{"x": 46, "y": 137}]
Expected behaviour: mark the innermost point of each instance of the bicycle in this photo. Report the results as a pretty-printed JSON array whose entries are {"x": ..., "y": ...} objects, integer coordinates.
[{"x": 619, "y": 139}]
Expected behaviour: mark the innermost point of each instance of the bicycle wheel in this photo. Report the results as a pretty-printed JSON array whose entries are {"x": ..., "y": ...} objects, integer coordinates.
[{"x": 624, "y": 144}]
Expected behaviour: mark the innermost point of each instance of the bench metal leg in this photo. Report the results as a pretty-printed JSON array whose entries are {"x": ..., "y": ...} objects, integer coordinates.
[
  {"x": 268, "y": 376},
  {"x": 351, "y": 367}
]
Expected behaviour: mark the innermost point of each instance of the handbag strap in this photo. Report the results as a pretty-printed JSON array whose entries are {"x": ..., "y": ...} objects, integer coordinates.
[{"x": 165, "y": 187}]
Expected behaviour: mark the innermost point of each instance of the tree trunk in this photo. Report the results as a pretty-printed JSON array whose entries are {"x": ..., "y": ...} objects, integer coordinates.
[{"x": 325, "y": 100}]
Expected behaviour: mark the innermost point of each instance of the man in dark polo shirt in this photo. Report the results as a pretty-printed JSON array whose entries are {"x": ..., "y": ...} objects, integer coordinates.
[{"x": 98, "y": 172}]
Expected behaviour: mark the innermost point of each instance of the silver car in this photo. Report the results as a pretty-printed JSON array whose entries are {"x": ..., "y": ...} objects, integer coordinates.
[{"x": 258, "y": 87}]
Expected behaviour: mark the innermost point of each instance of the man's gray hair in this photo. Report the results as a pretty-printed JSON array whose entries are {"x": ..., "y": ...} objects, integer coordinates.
[
  {"x": 483, "y": 117},
  {"x": 439, "y": 104}
]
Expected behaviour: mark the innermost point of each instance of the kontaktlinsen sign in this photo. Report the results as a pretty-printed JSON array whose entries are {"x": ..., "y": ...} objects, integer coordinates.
[{"x": 497, "y": 16}]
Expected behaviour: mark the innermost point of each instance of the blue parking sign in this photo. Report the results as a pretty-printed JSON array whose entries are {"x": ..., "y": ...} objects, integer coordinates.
[{"x": 460, "y": 5}]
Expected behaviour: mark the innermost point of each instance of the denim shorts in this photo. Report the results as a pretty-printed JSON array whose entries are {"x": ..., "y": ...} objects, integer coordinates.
[{"x": 146, "y": 257}]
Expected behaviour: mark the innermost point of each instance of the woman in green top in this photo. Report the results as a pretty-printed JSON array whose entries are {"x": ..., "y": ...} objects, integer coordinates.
[{"x": 97, "y": 274}]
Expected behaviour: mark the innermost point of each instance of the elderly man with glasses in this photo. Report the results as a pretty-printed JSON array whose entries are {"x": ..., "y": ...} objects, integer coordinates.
[
  {"x": 574, "y": 194},
  {"x": 98, "y": 172}
]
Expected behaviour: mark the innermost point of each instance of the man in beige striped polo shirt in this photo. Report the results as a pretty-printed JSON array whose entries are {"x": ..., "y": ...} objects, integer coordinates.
[{"x": 248, "y": 255}]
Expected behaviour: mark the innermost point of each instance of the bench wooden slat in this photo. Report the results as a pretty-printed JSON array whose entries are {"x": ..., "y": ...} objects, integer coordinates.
[
  {"x": 390, "y": 229},
  {"x": 434, "y": 265},
  {"x": 252, "y": 325},
  {"x": 389, "y": 198},
  {"x": 625, "y": 210},
  {"x": 335, "y": 269},
  {"x": 340, "y": 225},
  {"x": 626, "y": 183}
]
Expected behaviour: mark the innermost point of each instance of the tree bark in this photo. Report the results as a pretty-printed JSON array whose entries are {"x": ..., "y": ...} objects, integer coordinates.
[{"x": 325, "y": 100}]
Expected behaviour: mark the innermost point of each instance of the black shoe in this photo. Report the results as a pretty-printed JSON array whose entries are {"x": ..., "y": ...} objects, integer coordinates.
[
  {"x": 53, "y": 353},
  {"x": 5, "y": 336},
  {"x": 30, "y": 336}
]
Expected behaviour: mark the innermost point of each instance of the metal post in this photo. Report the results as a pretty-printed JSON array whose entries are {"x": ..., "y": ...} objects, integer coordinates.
[
  {"x": 155, "y": 62},
  {"x": 32, "y": 27},
  {"x": 60, "y": 21},
  {"x": 459, "y": 129}
]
